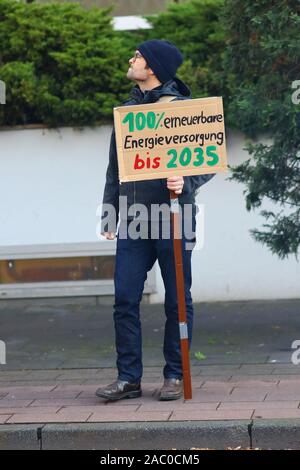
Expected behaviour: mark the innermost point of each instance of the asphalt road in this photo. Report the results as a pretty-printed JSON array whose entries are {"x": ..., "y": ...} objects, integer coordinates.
[{"x": 81, "y": 334}]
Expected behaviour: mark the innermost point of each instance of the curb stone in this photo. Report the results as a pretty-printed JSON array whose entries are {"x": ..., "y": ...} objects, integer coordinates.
[{"x": 262, "y": 434}]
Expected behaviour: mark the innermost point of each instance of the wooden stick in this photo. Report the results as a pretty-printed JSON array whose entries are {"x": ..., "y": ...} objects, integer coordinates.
[{"x": 183, "y": 330}]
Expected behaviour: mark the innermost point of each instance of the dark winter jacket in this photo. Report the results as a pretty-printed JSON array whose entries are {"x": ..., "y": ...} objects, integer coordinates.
[{"x": 155, "y": 191}]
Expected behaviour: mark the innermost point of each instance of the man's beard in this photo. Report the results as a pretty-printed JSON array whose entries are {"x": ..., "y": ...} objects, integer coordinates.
[
  {"x": 130, "y": 73},
  {"x": 131, "y": 76}
]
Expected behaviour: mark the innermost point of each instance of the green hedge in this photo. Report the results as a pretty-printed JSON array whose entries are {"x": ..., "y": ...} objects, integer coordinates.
[
  {"x": 62, "y": 65},
  {"x": 65, "y": 65},
  {"x": 196, "y": 27}
]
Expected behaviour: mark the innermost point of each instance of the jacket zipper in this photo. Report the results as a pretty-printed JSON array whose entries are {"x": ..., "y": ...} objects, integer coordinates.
[{"x": 134, "y": 214}]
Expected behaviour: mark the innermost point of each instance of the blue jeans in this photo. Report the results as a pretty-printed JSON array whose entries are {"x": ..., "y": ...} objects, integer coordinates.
[{"x": 134, "y": 258}]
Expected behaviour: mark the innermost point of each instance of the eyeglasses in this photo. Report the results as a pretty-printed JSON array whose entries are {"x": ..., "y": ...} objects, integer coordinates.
[{"x": 137, "y": 55}]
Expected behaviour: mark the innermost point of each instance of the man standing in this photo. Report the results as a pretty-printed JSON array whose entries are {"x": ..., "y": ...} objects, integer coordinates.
[{"x": 153, "y": 68}]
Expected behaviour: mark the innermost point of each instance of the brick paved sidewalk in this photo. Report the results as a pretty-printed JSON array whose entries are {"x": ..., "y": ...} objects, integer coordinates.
[{"x": 227, "y": 392}]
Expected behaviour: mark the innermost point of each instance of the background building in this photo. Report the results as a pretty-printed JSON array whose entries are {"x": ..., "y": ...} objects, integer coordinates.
[{"x": 123, "y": 7}]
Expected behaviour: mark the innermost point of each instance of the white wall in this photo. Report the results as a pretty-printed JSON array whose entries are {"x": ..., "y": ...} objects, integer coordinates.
[{"x": 52, "y": 182}]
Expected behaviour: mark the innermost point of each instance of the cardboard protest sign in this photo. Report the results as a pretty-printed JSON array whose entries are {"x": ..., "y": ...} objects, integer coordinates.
[{"x": 165, "y": 139}]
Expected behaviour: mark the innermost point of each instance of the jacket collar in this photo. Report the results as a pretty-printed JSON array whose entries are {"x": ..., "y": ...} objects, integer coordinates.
[{"x": 174, "y": 87}]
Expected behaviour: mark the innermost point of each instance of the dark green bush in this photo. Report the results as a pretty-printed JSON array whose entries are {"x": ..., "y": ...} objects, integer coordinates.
[
  {"x": 196, "y": 27},
  {"x": 62, "y": 65},
  {"x": 262, "y": 61}
]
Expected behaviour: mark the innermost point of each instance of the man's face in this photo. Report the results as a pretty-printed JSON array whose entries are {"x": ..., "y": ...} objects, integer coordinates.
[{"x": 138, "y": 70}]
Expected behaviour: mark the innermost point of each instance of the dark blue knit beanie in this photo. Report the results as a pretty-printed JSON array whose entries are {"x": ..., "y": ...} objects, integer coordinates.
[{"x": 162, "y": 57}]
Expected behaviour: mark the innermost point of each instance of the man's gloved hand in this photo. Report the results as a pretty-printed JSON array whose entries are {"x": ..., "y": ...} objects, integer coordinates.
[{"x": 175, "y": 183}]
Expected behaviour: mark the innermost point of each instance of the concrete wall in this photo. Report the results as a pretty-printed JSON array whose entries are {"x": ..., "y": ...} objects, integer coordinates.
[{"x": 53, "y": 180}]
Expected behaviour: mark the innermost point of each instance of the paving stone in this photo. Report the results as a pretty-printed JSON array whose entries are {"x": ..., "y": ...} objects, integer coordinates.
[
  {"x": 257, "y": 384},
  {"x": 4, "y": 418},
  {"x": 289, "y": 384},
  {"x": 42, "y": 416},
  {"x": 178, "y": 405},
  {"x": 64, "y": 402},
  {"x": 282, "y": 395},
  {"x": 240, "y": 395},
  {"x": 263, "y": 378},
  {"x": 40, "y": 374},
  {"x": 12, "y": 403},
  {"x": 17, "y": 390},
  {"x": 259, "y": 405},
  {"x": 211, "y": 415},
  {"x": 126, "y": 416},
  {"x": 28, "y": 409},
  {"x": 276, "y": 413},
  {"x": 256, "y": 369}
]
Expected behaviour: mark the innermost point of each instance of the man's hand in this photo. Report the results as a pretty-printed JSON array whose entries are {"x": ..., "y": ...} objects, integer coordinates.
[
  {"x": 175, "y": 183},
  {"x": 109, "y": 235}
]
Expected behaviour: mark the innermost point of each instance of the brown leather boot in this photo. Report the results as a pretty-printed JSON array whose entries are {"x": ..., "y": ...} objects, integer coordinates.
[
  {"x": 171, "y": 390},
  {"x": 119, "y": 389}
]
